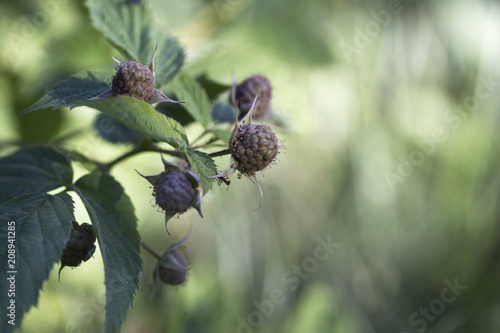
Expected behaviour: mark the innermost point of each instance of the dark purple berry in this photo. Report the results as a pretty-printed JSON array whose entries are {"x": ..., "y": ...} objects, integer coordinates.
[
  {"x": 173, "y": 268},
  {"x": 174, "y": 192},
  {"x": 80, "y": 245},
  {"x": 246, "y": 92}
]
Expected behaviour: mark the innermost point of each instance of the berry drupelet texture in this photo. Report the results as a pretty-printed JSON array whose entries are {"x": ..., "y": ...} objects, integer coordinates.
[
  {"x": 133, "y": 79},
  {"x": 253, "y": 148},
  {"x": 246, "y": 91},
  {"x": 174, "y": 192}
]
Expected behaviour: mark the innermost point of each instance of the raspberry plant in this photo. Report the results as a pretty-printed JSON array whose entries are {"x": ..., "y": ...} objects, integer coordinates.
[{"x": 143, "y": 117}]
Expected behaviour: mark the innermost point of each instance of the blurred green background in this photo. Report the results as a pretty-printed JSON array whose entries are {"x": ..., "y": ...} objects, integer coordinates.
[{"x": 390, "y": 153}]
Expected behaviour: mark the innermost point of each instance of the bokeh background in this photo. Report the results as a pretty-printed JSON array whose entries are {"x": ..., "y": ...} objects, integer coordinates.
[{"x": 391, "y": 153}]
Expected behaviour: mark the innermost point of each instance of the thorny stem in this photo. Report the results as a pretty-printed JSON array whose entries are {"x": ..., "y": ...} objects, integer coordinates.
[
  {"x": 150, "y": 250},
  {"x": 220, "y": 153}
]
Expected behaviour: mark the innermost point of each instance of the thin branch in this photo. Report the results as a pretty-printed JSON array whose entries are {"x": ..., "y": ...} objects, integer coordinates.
[
  {"x": 150, "y": 250},
  {"x": 146, "y": 146},
  {"x": 220, "y": 153}
]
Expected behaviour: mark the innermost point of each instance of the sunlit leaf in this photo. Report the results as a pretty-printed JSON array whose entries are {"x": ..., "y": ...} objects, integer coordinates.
[
  {"x": 116, "y": 132},
  {"x": 196, "y": 100},
  {"x": 142, "y": 117},
  {"x": 129, "y": 26},
  {"x": 203, "y": 166}
]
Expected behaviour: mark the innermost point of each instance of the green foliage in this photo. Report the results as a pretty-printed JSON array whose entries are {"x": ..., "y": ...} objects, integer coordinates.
[
  {"x": 71, "y": 92},
  {"x": 44, "y": 220},
  {"x": 111, "y": 211},
  {"x": 128, "y": 26},
  {"x": 42, "y": 224},
  {"x": 196, "y": 99},
  {"x": 144, "y": 118},
  {"x": 116, "y": 132},
  {"x": 33, "y": 170},
  {"x": 203, "y": 166}
]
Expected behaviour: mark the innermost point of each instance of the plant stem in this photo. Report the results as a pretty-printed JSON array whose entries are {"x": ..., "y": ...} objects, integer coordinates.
[
  {"x": 150, "y": 250},
  {"x": 220, "y": 153},
  {"x": 145, "y": 146}
]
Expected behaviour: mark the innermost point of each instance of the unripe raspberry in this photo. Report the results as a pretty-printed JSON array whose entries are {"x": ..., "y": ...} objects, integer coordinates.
[
  {"x": 133, "y": 79},
  {"x": 174, "y": 192},
  {"x": 79, "y": 247},
  {"x": 173, "y": 268},
  {"x": 253, "y": 148},
  {"x": 246, "y": 92}
]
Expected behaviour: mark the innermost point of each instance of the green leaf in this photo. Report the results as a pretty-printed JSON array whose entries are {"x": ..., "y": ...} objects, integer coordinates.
[
  {"x": 116, "y": 132},
  {"x": 222, "y": 134},
  {"x": 33, "y": 169},
  {"x": 223, "y": 112},
  {"x": 112, "y": 213},
  {"x": 144, "y": 118},
  {"x": 70, "y": 92},
  {"x": 203, "y": 166},
  {"x": 197, "y": 103},
  {"x": 212, "y": 88},
  {"x": 42, "y": 223},
  {"x": 80, "y": 158},
  {"x": 175, "y": 111},
  {"x": 169, "y": 56},
  {"x": 128, "y": 25}
]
